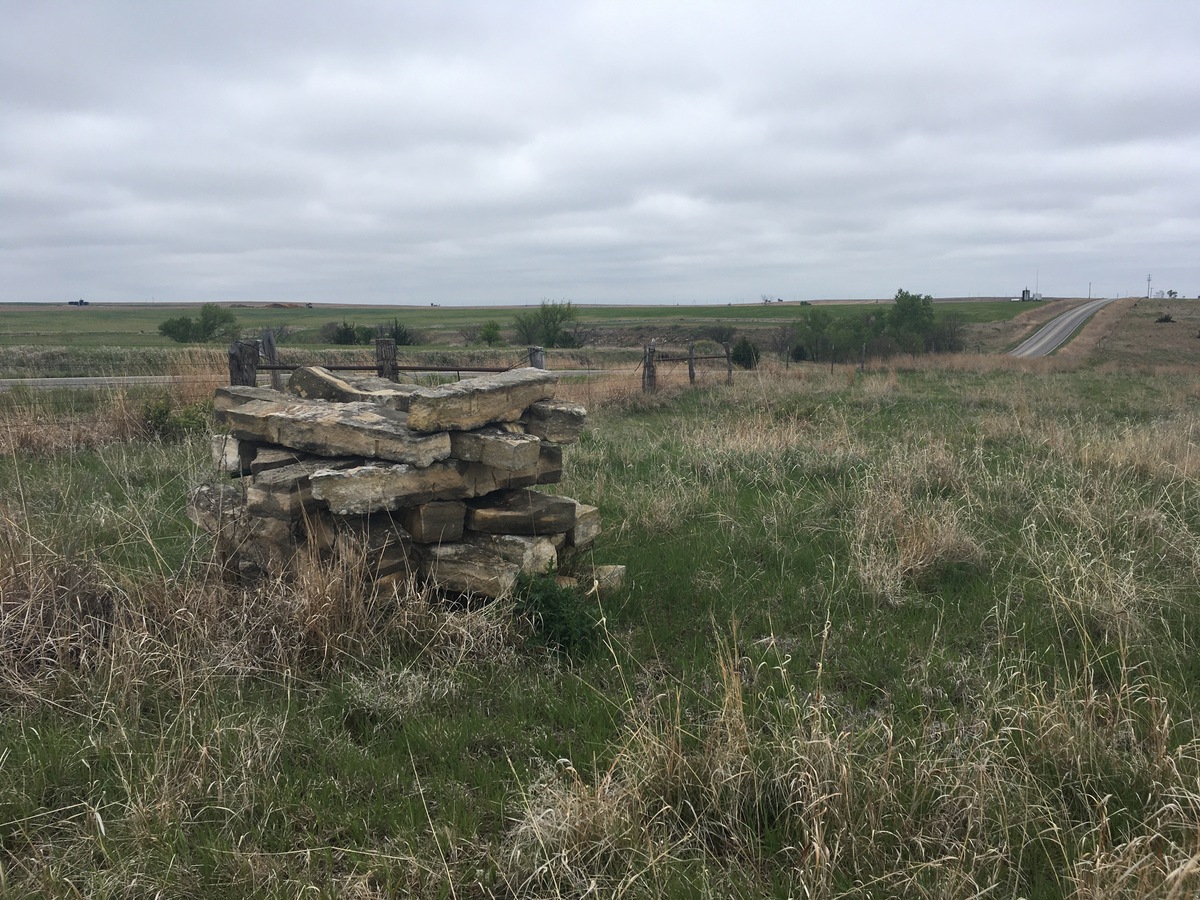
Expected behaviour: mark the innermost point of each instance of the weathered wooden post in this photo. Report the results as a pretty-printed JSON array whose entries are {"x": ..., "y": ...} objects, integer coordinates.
[
  {"x": 271, "y": 355},
  {"x": 862, "y": 359},
  {"x": 537, "y": 357},
  {"x": 243, "y": 363},
  {"x": 649, "y": 374},
  {"x": 728, "y": 363},
  {"x": 692, "y": 363},
  {"x": 385, "y": 359}
]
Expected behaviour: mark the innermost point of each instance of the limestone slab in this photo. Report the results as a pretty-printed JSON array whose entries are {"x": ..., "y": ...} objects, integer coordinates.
[
  {"x": 549, "y": 464},
  {"x": 532, "y": 555},
  {"x": 213, "y": 507},
  {"x": 318, "y": 383},
  {"x": 558, "y": 421},
  {"x": 482, "y": 480},
  {"x": 496, "y": 447},
  {"x": 371, "y": 488},
  {"x": 521, "y": 511},
  {"x": 586, "y": 528},
  {"x": 475, "y": 402},
  {"x": 435, "y": 522},
  {"x": 467, "y": 569},
  {"x": 334, "y": 429}
]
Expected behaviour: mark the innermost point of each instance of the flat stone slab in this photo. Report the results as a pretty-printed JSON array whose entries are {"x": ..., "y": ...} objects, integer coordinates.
[
  {"x": 230, "y": 396},
  {"x": 521, "y": 511},
  {"x": 333, "y": 429},
  {"x": 557, "y": 421},
  {"x": 468, "y": 569},
  {"x": 532, "y": 555},
  {"x": 494, "y": 446},
  {"x": 317, "y": 383},
  {"x": 435, "y": 522},
  {"x": 227, "y": 454},
  {"x": 550, "y": 464},
  {"x": 482, "y": 480},
  {"x": 586, "y": 528},
  {"x": 372, "y": 488},
  {"x": 215, "y": 507},
  {"x": 475, "y": 402},
  {"x": 286, "y": 492}
]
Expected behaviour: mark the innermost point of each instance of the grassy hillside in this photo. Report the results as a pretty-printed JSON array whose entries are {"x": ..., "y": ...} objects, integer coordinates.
[{"x": 918, "y": 632}]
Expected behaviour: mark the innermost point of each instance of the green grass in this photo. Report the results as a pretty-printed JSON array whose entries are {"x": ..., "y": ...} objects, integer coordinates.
[
  {"x": 136, "y": 325},
  {"x": 908, "y": 633}
]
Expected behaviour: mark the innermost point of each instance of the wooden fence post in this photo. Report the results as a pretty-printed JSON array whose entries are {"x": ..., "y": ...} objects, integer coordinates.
[
  {"x": 649, "y": 375},
  {"x": 271, "y": 355},
  {"x": 243, "y": 363},
  {"x": 728, "y": 363},
  {"x": 691, "y": 363},
  {"x": 537, "y": 357},
  {"x": 385, "y": 359}
]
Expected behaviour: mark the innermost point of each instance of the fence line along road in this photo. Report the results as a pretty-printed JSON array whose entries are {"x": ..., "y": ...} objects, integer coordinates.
[
  {"x": 115, "y": 381},
  {"x": 1055, "y": 333}
]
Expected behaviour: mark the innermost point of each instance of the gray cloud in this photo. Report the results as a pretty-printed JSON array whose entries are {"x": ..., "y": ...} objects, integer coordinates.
[{"x": 481, "y": 152}]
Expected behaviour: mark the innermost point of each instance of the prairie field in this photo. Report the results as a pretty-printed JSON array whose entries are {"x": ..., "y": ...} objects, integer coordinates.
[{"x": 931, "y": 629}]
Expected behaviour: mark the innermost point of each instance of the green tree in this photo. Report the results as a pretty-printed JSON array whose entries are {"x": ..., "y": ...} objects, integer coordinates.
[
  {"x": 910, "y": 320},
  {"x": 180, "y": 329},
  {"x": 546, "y": 325},
  {"x": 489, "y": 332},
  {"x": 745, "y": 353},
  {"x": 216, "y": 323},
  {"x": 213, "y": 323}
]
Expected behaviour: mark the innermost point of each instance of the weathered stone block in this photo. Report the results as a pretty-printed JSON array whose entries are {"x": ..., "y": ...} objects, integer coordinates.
[
  {"x": 226, "y": 454},
  {"x": 334, "y": 429},
  {"x": 317, "y": 383},
  {"x": 587, "y": 526},
  {"x": 482, "y": 480},
  {"x": 215, "y": 507},
  {"x": 496, "y": 447},
  {"x": 476, "y": 402},
  {"x": 558, "y": 421},
  {"x": 549, "y": 464},
  {"x": 436, "y": 522},
  {"x": 264, "y": 457},
  {"x": 371, "y": 488},
  {"x": 521, "y": 512},
  {"x": 286, "y": 492},
  {"x": 468, "y": 569},
  {"x": 532, "y": 555},
  {"x": 231, "y": 396}
]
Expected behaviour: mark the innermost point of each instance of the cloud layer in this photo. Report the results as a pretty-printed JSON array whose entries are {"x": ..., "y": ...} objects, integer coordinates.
[{"x": 608, "y": 151}]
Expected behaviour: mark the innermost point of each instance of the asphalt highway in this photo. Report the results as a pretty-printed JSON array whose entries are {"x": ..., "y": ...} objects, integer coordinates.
[{"x": 1054, "y": 334}]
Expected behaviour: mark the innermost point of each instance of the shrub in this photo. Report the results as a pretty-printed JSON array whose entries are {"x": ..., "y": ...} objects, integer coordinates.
[
  {"x": 162, "y": 418},
  {"x": 745, "y": 353},
  {"x": 560, "y": 616},
  {"x": 213, "y": 323},
  {"x": 490, "y": 332}
]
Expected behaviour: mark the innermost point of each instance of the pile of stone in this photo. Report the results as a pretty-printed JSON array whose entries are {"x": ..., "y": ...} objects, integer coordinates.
[{"x": 408, "y": 481}]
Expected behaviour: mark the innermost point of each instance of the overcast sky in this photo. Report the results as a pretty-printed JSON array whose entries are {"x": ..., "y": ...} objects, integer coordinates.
[{"x": 505, "y": 152}]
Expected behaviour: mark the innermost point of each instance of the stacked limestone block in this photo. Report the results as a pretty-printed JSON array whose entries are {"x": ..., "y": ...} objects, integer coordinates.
[{"x": 435, "y": 482}]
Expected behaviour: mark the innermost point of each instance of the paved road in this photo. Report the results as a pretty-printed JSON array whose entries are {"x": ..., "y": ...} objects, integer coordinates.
[{"x": 1055, "y": 333}]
